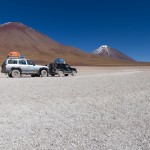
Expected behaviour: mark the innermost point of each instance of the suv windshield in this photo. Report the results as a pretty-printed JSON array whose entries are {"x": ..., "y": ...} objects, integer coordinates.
[
  {"x": 30, "y": 62},
  {"x": 67, "y": 66}
]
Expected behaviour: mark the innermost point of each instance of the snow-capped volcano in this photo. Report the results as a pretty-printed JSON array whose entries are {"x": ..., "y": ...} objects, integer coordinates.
[
  {"x": 102, "y": 49},
  {"x": 107, "y": 51}
]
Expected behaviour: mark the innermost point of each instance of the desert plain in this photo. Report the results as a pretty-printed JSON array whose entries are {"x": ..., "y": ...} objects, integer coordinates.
[{"x": 102, "y": 108}]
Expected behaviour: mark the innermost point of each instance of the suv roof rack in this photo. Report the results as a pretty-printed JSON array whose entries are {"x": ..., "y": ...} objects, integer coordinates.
[{"x": 13, "y": 57}]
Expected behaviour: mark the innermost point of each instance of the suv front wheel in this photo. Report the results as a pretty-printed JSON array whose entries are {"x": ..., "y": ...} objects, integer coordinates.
[
  {"x": 44, "y": 73},
  {"x": 15, "y": 73},
  {"x": 73, "y": 73}
]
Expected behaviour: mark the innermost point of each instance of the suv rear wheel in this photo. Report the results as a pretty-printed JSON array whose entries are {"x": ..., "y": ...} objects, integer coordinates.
[
  {"x": 15, "y": 73},
  {"x": 44, "y": 73}
]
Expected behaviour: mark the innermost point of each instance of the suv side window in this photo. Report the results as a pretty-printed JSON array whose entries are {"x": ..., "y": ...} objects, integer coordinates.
[
  {"x": 22, "y": 62},
  {"x": 12, "y": 61}
]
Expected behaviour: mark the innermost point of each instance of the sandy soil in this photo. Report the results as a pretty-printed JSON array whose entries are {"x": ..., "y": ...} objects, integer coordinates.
[{"x": 99, "y": 109}]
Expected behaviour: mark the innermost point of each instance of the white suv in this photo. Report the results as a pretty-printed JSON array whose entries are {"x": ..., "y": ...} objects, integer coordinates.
[{"x": 15, "y": 67}]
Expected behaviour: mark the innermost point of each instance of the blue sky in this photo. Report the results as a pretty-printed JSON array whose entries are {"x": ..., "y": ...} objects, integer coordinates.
[{"x": 87, "y": 24}]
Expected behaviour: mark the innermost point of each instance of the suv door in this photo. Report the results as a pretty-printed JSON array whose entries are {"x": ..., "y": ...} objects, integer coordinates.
[
  {"x": 31, "y": 67},
  {"x": 23, "y": 65}
]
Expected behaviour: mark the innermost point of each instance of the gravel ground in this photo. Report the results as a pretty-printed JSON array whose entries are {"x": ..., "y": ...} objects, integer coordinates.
[{"x": 102, "y": 109}]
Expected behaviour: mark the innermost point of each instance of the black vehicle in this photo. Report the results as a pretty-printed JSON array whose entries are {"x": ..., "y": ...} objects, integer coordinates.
[{"x": 61, "y": 70}]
